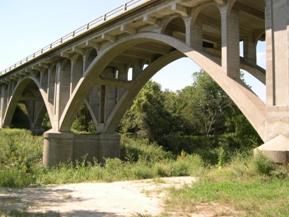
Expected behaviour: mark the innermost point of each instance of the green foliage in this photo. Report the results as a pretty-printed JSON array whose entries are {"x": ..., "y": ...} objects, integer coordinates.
[
  {"x": 188, "y": 165},
  {"x": 200, "y": 119},
  {"x": 133, "y": 150},
  {"x": 46, "y": 125},
  {"x": 19, "y": 152},
  {"x": 206, "y": 106},
  {"x": 146, "y": 109},
  {"x": 83, "y": 122},
  {"x": 263, "y": 165}
]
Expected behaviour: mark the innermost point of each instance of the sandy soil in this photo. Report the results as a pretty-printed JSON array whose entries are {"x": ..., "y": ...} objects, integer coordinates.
[{"x": 129, "y": 198}]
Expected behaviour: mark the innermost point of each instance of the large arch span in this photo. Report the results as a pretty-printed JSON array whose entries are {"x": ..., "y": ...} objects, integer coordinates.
[{"x": 251, "y": 106}]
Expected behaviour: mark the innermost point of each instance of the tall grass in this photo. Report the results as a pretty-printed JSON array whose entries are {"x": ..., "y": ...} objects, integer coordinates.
[
  {"x": 21, "y": 163},
  {"x": 20, "y": 151}
]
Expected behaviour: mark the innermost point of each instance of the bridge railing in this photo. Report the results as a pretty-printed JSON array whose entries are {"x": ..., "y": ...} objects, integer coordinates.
[{"x": 94, "y": 23}]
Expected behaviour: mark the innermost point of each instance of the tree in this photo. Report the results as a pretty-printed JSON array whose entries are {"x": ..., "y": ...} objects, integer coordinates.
[
  {"x": 206, "y": 105},
  {"x": 83, "y": 122},
  {"x": 200, "y": 118},
  {"x": 148, "y": 116}
]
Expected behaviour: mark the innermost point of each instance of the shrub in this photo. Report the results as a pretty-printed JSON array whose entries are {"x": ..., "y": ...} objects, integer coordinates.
[
  {"x": 163, "y": 169},
  {"x": 133, "y": 150},
  {"x": 186, "y": 165},
  {"x": 263, "y": 165},
  {"x": 140, "y": 171}
]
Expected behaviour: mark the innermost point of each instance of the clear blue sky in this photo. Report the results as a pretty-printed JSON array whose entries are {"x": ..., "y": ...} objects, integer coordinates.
[{"x": 27, "y": 26}]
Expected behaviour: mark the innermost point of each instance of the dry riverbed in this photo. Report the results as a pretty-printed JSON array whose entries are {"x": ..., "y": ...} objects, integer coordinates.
[{"x": 130, "y": 198}]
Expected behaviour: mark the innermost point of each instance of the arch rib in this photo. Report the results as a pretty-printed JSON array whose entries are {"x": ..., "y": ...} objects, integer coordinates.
[
  {"x": 127, "y": 99},
  {"x": 251, "y": 106}
]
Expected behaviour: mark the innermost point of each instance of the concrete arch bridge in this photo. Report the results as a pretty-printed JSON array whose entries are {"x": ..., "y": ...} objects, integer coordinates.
[{"x": 91, "y": 65}]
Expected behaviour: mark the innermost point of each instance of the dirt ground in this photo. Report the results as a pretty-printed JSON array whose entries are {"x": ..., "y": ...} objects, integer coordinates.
[{"x": 129, "y": 198}]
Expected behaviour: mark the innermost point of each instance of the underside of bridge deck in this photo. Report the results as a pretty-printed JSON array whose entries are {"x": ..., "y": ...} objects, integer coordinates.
[{"x": 92, "y": 68}]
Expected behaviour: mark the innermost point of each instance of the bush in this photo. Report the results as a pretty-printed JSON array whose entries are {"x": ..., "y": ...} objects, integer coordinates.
[
  {"x": 133, "y": 150},
  {"x": 163, "y": 169},
  {"x": 141, "y": 171},
  {"x": 177, "y": 142},
  {"x": 263, "y": 165},
  {"x": 186, "y": 165}
]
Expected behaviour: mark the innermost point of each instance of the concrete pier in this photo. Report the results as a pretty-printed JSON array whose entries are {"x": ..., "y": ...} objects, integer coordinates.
[{"x": 69, "y": 147}]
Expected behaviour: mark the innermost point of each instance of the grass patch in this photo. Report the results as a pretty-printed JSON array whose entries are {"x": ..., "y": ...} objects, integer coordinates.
[{"x": 252, "y": 187}]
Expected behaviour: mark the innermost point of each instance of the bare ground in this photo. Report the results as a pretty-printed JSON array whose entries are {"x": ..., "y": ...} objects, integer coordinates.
[
  {"x": 143, "y": 198},
  {"x": 129, "y": 198}
]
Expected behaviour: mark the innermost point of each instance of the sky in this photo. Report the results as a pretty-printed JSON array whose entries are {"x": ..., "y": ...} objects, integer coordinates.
[{"x": 27, "y": 26}]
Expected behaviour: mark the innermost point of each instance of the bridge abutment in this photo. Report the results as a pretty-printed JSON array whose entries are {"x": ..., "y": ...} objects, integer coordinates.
[
  {"x": 61, "y": 147},
  {"x": 276, "y": 131},
  {"x": 276, "y": 126}
]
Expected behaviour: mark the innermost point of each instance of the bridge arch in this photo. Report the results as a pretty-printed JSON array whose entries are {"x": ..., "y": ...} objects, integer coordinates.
[
  {"x": 251, "y": 106},
  {"x": 175, "y": 27},
  {"x": 207, "y": 25},
  {"x": 16, "y": 95},
  {"x": 127, "y": 99}
]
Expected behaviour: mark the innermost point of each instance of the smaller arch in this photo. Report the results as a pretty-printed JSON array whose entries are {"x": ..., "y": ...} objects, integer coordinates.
[
  {"x": 90, "y": 55},
  {"x": 109, "y": 72},
  {"x": 208, "y": 22},
  {"x": 175, "y": 27},
  {"x": 17, "y": 93}
]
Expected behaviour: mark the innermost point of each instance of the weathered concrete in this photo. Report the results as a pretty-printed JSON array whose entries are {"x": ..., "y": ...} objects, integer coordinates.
[
  {"x": 93, "y": 69},
  {"x": 68, "y": 147},
  {"x": 276, "y": 149}
]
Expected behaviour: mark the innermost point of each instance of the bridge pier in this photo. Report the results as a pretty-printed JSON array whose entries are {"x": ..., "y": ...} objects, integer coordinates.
[{"x": 63, "y": 147}]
